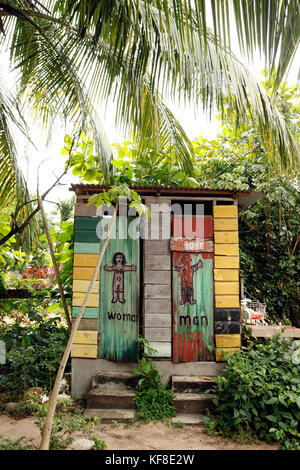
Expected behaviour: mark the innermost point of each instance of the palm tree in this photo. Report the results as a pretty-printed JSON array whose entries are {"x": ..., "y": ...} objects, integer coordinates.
[{"x": 71, "y": 55}]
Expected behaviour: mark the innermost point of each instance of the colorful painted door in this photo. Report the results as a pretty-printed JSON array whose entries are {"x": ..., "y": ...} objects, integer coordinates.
[
  {"x": 119, "y": 296},
  {"x": 193, "y": 304}
]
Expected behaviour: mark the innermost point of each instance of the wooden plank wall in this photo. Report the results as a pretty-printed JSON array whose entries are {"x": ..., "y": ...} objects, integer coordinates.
[
  {"x": 86, "y": 250},
  {"x": 157, "y": 281},
  {"x": 226, "y": 280}
]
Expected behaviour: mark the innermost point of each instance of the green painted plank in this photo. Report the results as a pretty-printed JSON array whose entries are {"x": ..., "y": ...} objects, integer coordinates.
[
  {"x": 86, "y": 247},
  {"x": 119, "y": 298},
  {"x": 86, "y": 223},
  {"x": 86, "y": 236},
  {"x": 89, "y": 312}
]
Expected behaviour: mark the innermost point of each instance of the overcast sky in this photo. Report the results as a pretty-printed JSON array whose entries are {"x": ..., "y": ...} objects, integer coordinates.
[{"x": 194, "y": 125}]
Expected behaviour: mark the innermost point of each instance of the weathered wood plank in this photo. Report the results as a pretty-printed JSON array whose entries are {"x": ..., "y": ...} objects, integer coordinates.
[
  {"x": 227, "y": 301},
  {"x": 225, "y": 212},
  {"x": 227, "y": 288},
  {"x": 157, "y": 277},
  {"x": 86, "y": 223},
  {"x": 163, "y": 349},
  {"x": 221, "y": 225},
  {"x": 84, "y": 210},
  {"x": 84, "y": 273},
  {"x": 196, "y": 245},
  {"x": 78, "y": 298},
  {"x": 157, "y": 291},
  {"x": 226, "y": 274},
  {"x": 86, "y": 247},
  {"x": 226, "y": 237},
  {"x": 220, "y": 356},
  {"x": 86, "y": 236},
  {"x": 227, "y": 262},
  {"x": 156, "y": 247},
  {"x": 89, "y": 312},
  {"x": 228, "y": 341},
  {"x": 86, "y": 337},
  {"x": 83, "y": 286},
  {"x": 227, "y": 328},
  {"x": 85, "y": 259},
  {"x": 84, "y": 350},
  {"x": 88, "y": 324},
  {"x": 230, "y": 249},
  {"x": 158, "y": 320},
  {"x": 158, "y": 334},
  {"x": 157, "y": 306},
  {"x": 158, "y": 262},
  {"x": 227, "y": 314}
]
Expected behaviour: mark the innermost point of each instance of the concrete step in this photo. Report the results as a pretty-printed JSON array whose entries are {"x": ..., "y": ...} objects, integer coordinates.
[
  {"x": 117, "y": 380},
  {"x": 192, "y": 402},
  {"x": 192, "y": 383},
  {"x": 190, "y": 419},
  {"x": 110, "y": 399},
  {"x": 109, "y": 416}
]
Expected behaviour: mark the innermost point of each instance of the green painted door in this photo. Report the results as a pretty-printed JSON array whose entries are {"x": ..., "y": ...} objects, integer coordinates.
[{"x": 119, "y": 296}]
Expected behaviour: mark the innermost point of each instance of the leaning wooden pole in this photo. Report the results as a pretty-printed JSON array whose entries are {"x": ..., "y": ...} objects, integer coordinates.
[
  {"x": 53, "y": 398},
  {"x": 55, "y": 266}
]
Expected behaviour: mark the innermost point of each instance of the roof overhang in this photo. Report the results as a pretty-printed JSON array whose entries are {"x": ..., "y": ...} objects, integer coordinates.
[{"x": 244, "y": 198}]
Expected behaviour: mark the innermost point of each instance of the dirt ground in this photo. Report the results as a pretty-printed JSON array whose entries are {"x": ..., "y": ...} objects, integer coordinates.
[{"x": 153, "y": 436}]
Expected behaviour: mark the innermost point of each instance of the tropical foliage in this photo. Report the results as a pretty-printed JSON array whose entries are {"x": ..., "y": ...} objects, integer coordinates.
[
  {"x": 70, "y": 56},
  {"x": 259, "y": 393}
]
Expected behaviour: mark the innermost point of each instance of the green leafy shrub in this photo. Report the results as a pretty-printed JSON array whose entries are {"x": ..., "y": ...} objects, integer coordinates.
[
  {"x": 260, "y": 393},
  {"x": 69, "y": 419},
  {"x": 153, "y": 401},
  {"x": 19, "y": 444},
  {"x": 33, "y": 353}
]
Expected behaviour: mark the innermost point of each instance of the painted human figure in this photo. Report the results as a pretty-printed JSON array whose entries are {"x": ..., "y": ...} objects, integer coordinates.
[
  {"x": 187, "y": 272},
  {"x": 118, "y": 268}
]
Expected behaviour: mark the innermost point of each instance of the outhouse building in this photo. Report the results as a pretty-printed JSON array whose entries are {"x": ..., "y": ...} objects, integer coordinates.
[{"x": 173, "y": 279}]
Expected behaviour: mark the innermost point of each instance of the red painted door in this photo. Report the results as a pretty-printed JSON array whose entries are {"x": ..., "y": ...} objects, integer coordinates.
[{"x": 192, "y": 289}]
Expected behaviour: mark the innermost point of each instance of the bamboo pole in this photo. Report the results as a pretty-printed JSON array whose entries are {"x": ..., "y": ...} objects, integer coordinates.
[
  {"x": 52, "y": 252},
  {"x": 44, "y": 445}
]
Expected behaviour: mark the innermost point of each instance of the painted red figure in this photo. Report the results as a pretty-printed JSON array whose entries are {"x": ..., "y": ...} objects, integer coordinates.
[{"x": 187, "y": 272}]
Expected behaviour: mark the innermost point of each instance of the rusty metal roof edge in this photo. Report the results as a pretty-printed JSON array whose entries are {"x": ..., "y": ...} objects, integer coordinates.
[{"x": 179, "y": 189}]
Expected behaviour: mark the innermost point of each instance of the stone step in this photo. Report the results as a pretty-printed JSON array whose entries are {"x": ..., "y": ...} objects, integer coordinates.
[
  {"x": 192, "y": 383},
  {"x": 109, "y": 416},
  {"x": 105, "y": 399},
  {"x": 118, "y": 380},
  {"x": 191, "y": 419},
  {"x": 192, "y": 402}
]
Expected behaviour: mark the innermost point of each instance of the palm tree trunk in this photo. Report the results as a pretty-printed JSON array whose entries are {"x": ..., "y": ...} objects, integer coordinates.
[
  {"x": 53, "y": 398},
  {"x": 51, "y": 248}
]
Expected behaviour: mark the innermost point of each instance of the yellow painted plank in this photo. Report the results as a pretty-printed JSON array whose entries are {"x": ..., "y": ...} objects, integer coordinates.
[
  {"x": 227, "y": 301},
  {"x": 82, "y": 286},
  {"x": 220, "y": 356},
  {"x": 226, "y": 237},
  {"x": 225, "y": 212},
  {"x": 85, "y": 259},
  {"x": 86, "y": 337},
  {"x": 84, "y": 273},
  {"x": 78, "y": 298},
  {"x": 221, "y": 225},
  {"x": 227, "y": 262},
  {"x": 84, "y": 350},
  {"x": 227, "y": 288},
  {"x": 230, "y": 249},
  {"x": 228, "y": 341},
  {"x": 226, "y": 274}
]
